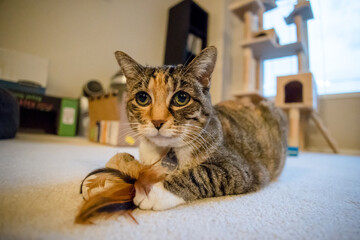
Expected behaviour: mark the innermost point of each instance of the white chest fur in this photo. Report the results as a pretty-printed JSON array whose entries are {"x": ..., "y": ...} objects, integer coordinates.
[
  {"x": 149, "y": 152},
  {"x": 184, "y": 157},
  {"x": 159, "y": 198}
]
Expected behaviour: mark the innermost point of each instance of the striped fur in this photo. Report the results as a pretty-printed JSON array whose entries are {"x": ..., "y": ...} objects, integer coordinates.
[{"x": 231, "y": 148}]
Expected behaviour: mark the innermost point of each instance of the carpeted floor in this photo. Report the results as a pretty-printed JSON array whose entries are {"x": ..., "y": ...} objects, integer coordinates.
[{"x": 316, "y": 197}]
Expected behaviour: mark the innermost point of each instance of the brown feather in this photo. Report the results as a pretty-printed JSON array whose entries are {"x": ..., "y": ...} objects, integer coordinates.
[
  {"x": 125, "y": 163},
  {"x": 118, "y": 197},
  {"x": 101, "y": 180},
  {"x": 148, "y": 176},
  {"x": 97, "y": 182}
]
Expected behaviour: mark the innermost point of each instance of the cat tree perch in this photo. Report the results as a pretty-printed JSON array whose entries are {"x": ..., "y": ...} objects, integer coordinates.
[
  {"x": 295, "y": 93},
  {"x": 251, "y": 13}
]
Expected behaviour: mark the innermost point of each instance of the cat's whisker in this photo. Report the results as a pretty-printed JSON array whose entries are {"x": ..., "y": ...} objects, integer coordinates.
[
  {"x": 202, "y": 139},
  {"x": 200, "y": 128},
  {"x": 184, "y": 135},
  {"x": 129, "y": 126},
  {"x": 199, "y": 134},
  {"x": 125, "y": 134},
  {"x": 200, "y": 155},
  {"x": 193, "y": 148},
  {"x": 130, "y": 133},
  {"x": 137, "y": 137},
  {"x": 129, "y": 130},
  {"x": 196, "y": 157},
  {"x": 134, "y": 129},
  {"x": 197, "y": 128},
  {"x": 128, "y": 123},
  {"x": 204, "y": 145},
  {"x": 199, "y": 142},
  {"x": 192, "y": 135}
]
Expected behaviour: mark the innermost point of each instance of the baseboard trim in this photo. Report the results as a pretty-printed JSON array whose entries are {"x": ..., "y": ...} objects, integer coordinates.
[
  {"x": 353, "y": 152},
  {"x": 340, "y": 96}
]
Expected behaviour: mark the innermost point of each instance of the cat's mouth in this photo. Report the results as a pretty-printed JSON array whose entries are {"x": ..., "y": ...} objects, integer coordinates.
[
  {"x": 159, "y": 136},
  {"x": 164, "y": 141}
]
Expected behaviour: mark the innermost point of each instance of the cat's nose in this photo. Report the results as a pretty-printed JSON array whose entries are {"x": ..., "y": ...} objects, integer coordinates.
[{"x": 158, "y": 123}]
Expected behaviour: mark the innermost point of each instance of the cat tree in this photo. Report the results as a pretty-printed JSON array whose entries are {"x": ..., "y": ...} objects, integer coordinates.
[{"x": 296, "y": 94}]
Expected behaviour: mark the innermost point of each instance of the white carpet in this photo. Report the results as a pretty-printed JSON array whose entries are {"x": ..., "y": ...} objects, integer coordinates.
[{"x": 316, "y": 197}]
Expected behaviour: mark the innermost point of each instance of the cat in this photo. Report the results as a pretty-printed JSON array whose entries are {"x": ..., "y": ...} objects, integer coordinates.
[{"x": 234, "y": 147}]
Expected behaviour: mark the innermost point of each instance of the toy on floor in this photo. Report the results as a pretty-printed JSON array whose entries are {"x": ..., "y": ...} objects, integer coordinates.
[{"x": 111, "y": 190}]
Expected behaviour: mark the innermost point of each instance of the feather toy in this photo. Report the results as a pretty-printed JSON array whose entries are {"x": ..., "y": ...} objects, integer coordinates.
[{"x": 111, "y": 190}]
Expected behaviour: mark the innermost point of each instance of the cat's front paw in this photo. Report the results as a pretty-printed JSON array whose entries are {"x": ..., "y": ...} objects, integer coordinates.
[{"x": 158, "y": 198}]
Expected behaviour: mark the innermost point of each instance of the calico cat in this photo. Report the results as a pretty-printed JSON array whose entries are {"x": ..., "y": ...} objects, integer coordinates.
[{"x": 231, "y": 148}]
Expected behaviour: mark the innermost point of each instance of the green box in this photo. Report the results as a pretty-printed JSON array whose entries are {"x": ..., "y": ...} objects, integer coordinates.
[{"x": 68, "y": 117}]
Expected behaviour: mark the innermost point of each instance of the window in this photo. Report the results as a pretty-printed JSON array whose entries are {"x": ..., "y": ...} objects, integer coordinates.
[{"x": 334, "y": 45}]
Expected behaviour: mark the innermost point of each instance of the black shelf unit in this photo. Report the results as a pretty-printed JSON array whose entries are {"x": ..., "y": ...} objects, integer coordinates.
[{"x": 185, "y": 18}]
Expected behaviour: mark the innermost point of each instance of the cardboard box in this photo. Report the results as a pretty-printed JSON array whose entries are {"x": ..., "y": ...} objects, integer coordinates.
[{"x": 108, "y": 121}]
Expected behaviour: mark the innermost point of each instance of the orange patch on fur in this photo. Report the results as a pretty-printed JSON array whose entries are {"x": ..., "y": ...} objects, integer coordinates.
[{"x": 159, "y": 90}]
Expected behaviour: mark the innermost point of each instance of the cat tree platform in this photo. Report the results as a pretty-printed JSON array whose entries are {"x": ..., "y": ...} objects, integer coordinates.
[
  {"x": 303, "y": 9},
  {"x": 269, "y": 4},
  {"x": 265, "y": 45},
  {"x": 239, "y": 8},
  {"x": 296, "y": 91}
]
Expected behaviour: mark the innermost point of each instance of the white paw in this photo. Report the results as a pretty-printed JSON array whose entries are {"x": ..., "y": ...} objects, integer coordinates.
[{"x": 158, "y": 199}]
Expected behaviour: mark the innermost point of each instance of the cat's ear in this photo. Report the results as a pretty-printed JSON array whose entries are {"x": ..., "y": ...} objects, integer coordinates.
[
  {"x": 203, "y": 65},
  {"x": 130, "y": 68}
]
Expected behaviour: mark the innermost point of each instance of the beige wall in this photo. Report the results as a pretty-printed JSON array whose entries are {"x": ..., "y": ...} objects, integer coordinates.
[
  {"x": 341, "y": 114},
  {"x": 79, "y": 37},
  {"x": 219, "y": 35},
  {"x": 237, "y": 27}
]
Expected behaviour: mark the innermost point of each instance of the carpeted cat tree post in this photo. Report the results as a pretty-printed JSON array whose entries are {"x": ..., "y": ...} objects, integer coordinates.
[
  {"x": 296, "y": 94},
  {"x": 251, "y": 13}
]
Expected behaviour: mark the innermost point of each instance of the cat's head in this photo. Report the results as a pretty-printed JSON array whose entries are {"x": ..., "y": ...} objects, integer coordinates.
[{"x": 169, "y": 105}]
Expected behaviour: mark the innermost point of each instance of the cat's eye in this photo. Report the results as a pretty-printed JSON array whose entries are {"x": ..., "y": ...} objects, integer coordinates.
[
  {"x": 143, "y": 99},
  {"x": 181, "y": 99}
]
